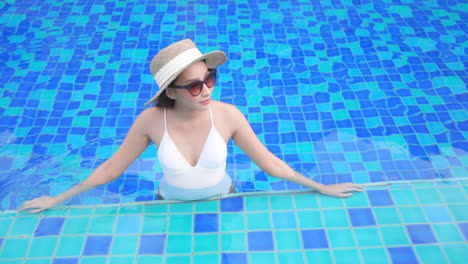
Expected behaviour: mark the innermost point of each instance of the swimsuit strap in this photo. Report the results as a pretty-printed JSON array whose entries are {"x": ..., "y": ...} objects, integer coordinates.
[{"x": 165, "y": 122}]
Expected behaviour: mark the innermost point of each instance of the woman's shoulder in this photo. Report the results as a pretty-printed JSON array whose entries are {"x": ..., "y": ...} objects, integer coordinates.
[
  {"x": 225, "y": 109},
  {"x": 150, "y": 115}
]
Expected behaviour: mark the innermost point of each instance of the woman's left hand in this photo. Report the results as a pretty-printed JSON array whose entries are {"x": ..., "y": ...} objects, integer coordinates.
[{"x": 341, "y": 189}]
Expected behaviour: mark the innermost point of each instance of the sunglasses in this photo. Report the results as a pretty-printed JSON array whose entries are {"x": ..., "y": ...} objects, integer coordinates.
[{"x": 195, "y": 88}]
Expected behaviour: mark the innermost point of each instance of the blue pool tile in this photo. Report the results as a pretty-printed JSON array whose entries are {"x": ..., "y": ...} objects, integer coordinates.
[
  {"x": 152, "y": 244},
  {"x": 50, "y": 226},
  {"x": 97, "y": 245},
  {"x": 361, "y": 217},
  {"x": 66, "y": 261},
  {"x": 206, "y": 223},
  {"x": 421, "y": 234},
  {"x": 233, "y": 258},
  {"x": 463, "y": 228},
  {"x": 437, "y": 213},
  {"x": 260, "y": 241},
  {"x": 314, "y": 239},
  {"x": 380, "y": 197},
  {"x": 129, "y": 224},
  {"x": 402, "y": 255},
  {"x": 282, "y": 220},
  {"x": 235, "y": 204}
]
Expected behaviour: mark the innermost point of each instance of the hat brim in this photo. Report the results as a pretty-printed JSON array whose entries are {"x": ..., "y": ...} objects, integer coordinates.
[{"x": 213, "y": 59}]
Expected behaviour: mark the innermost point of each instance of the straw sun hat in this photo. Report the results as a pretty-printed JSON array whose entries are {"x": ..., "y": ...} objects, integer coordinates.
[{"x": 174, "y": 59}]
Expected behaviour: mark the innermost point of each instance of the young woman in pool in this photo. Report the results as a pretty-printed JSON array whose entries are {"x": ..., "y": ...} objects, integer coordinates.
[{"x": 191, "y": 132}]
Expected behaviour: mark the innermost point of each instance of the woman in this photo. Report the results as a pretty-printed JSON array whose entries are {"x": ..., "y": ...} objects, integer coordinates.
[{"x": 191, "y": 132}]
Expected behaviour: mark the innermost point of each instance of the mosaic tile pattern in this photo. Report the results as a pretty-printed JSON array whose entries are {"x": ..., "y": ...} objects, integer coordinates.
[
  {"x": 390, "y": 224},
  {"x": 363, "y": 91}
]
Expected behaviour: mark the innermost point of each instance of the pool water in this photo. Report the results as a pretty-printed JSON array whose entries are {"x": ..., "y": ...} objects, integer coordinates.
[{"x": 372, "y": 92}]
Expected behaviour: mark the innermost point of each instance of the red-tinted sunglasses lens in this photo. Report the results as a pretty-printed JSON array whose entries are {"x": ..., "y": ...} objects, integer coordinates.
[{"x": 197, "y": 87}]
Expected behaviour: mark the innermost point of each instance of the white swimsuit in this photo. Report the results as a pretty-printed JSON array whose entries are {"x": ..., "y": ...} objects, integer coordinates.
[{"x": 181, "y": 180}]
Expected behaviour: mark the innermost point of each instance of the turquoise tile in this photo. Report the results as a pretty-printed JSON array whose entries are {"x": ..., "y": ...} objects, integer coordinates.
[
  {"x": 177, "y": 259},
  {"x": 14, "y": 248},
  {"x": 125, "y": 245},
  {"x": 318, "y": 256},
  {"x": 428, "y": 196},
  {"x": 181, "y": 223},
  {"x": 430, "y": 254},
  {"x": 447, "y": 233},
  {"x": 106, "y": 210},
  {"x": 233, "y": 242},
  {"x": 131, "y": 209},
  {"x": 341, "y": 238},
  {"x": 358, "y": 199},
  {"x": 459, "y": 211},
  {"x": 149, "y": 260},
  {"x": 387, "y": 215},
  {"x": 55, "y": 212},
  {"x": 128, "y": 224},
  {"x": 374, "y": 255},
  {"x": 156, "y": 208},
  {"x": 404, "y": 197},
  {"x": 394, "y": 235},
  {"x": 287, "y": 240},
  {"x": 42, "y": 247},
  {"x": 232, "y": 222},
  {"x": 453, "y": 194},
  {"x": 102, "y": 225},
  {"x": 336, "y": 218},
  {"x": 154, "y": 224},
  {"x": 344, "y": 256},
  {"x": 207, "y": 206},
  {"x": 290, "y": 257},
  {"x": 206, "y": 258},
  {"x": 76, "y": 225},
  {"x": 257, "y": 203},
  {"x": 122, "y": 260},
  {"x": 31, "y": 261},
  {"x": 94, "y": 260},
  {"x": 181, "y": 207},
  {"x": 331, "y": 202},
  {"x": 179, "y": 244},
  {"x": 5, "y": 225},
  {"x": 412, "y": 215},
  {"x": 306, "y": 201},
  {"x": 367, "y": 237},
  {"x": 456, "y": 253},
  {"x": 24, "y": 226},
  {"x": 281, "y": 202},
  {"x": 81, "y": 211},
  {"x": 262, "y": 257},
  {"x": 437, "y": 213},
  {"x": 70, "y": 246},
  {"x": 309, "y": 219},
  {"x": 206, "y": 243},
  {"x": 258, "y": 221},
  {"x": 284, "y": 220}
]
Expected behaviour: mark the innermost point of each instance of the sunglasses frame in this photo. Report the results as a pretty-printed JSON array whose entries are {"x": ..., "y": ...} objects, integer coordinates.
[{"x": 211, "y": 73}]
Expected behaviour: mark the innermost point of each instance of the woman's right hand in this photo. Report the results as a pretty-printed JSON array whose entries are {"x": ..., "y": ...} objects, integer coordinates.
[{"x": 39, "y": 204}]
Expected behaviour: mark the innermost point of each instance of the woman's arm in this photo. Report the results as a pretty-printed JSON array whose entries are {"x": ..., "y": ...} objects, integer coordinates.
[
  {"x": 245, "y": 138},
  {"x": 136, "y": 141}
]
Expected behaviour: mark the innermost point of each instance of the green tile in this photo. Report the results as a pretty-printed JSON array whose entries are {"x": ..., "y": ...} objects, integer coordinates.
[
  {"x": 181, "y": 223},
  {"x": 149, "y": 260},
  {"x": 386, "y": 215},
  {"x": 42, "y": 247},
  {"x": 358, "y": 199},
  {"x": 233, "y": 242},
  {"x": 125, "y": 245},
  {"x": 430, "y": 254},
  {"x": 14, "y": 248},
  {"x": 179, "y": 244},
  {"x": 306, "y": 201},
  {"x": 207, "y": 206},
  {"x": 447, "y": 233},
  {"x": 404, "y": 197},
  {"x": 374, "y": 255},
  {"x": 93, "y": 260},
  {"x": 453, "y": 194},
  {"x": 340, "y": 238},
  {"x": 206, "y": 258},
  {"x": 232, "y": 222},
  {"x": 318, "y": 256},
  {"x": 154, "y": 224},
  {"x": 156, "y": 209},
  {"x": 122, "y": 260},
  {"x": 309, "y": 219},
  {"x": 102, "y": 225},
  {"x": 412, "y": 215},
  {"x": 181, "y": 207},
  {"x": 331, "y": 202},
  {"x": 367, "y": 237},
  {"x": 262, "y": 257},
  {"x": 258, "y": 221},
  {"x": 335, "y": 218},
  {"x": 290, "y": 257},
  {"x": 75, "y": 225},
  {"x": 344, "y": 256},
  {"x": 256, "y": 203},
  {"x": 177, "y": 259},
  {"x": 288, "y": 240},
  {"x": 459, "y": 211},
  {"x": 206, "y": 243},
  {"x": 456, "y": 253},
  {"x": 281, "y": 202},
  {"x": 428, "y": 196},
  {"x": 81, "y": 211},
  {"x": 24, "y": 226},
  {"x": 5, "y": 225},
  {"x": 131, "y": 209},
  {"x": 70, "y": 246},
  {"x": 394, "y": 235}
]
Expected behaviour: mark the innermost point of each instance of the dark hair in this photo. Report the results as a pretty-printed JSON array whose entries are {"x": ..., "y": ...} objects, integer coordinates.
[{"x": 164, "y": 101}]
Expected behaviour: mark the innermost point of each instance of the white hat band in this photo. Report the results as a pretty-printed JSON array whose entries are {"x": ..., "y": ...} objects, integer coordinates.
[{"x": 176, "y": 63}]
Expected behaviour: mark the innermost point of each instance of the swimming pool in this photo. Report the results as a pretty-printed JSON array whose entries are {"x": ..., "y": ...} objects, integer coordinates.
[{"x": 363, "y": 91}]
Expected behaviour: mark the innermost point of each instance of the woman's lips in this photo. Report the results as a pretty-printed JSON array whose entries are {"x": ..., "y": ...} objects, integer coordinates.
[{"x": 205, "y": 102}]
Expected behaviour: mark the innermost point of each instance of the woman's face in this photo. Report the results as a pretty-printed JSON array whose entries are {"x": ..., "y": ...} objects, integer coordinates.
[{"x": 195, "y": 72}]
